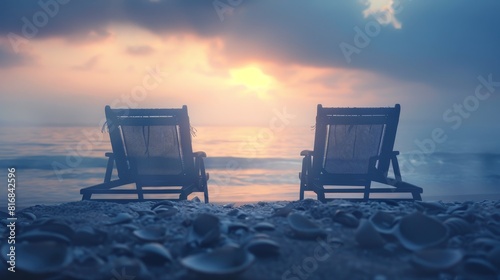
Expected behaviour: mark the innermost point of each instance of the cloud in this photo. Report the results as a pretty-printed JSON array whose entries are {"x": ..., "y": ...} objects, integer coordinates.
[
  {"x": 140, "y": 50},
  {"x": 10, "y": 59},
  {"x": 384, "y": 11},
  {"x": 90, "y": 64}
]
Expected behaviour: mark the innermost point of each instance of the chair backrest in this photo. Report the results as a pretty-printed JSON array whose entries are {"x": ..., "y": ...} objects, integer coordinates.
[
  {"x": 346, "y": 139},
  {"x": 150, "y": 142}
]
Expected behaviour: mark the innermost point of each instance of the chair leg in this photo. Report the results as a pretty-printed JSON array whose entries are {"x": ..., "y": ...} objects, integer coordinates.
[
  {"x": 301, "y": 190},
  {"x": 366, "y": 195},
  {"x": 416, "y": 196},
  {"x": 140, "y": 194},
  {"x": 320, "y": 191},
  {"x": 86, "y": 196}
]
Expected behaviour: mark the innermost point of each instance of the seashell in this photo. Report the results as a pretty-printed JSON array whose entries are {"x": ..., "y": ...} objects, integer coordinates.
[
  {"x": 229, "y": 205},
  {"x": 485, "y": 244},
  {"x": 479, "y": 266},
  {"x": 165, "y": 212},
  {"x": 383, "y": 222},
  {"x": 417, "y": 231},
  {"x": 433, "y": 260},
  {"x": 88, "y": 236},
  {"x": 27, "y": 215},
  {"x": 263, "y": 247},
  {"x": 222, "y": 262},
  {"x": 303, "y": 227},
  {"x": 154, "y": 253},
  {"x": 458, "y": 226},
  {"x": 283, "y": 211},
  {"x": 205, "y": 230},
  {"x": 146, "y": 213},
  {"x": 196, "y": 199},
  {"x": 39, "y": 235},
  {"x": 263, "y": 226},
  {"x": 121, "y": 218},
  {"x": 236, "y": 226},
  {"x": 162, "y": 203},
  {"x": 367, "y": 236},
  {"x": 150, "y": 233},
  {"x": 57, "y": 226},
  {"x": 346, "y": 219},
  {"x": 40, "y": 257},
  {"x": 242, "y": 216},
  {"x": 121, "y": 249}
]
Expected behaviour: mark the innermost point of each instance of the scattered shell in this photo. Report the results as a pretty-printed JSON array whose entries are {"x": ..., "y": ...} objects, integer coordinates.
[
  {"x": 121, "y": 249},
  {"x": 146, "y": 213},
  {"x": 52, "y": 225},
  {"x": 485, "y": 244},
  {"x": 205, "y": 230},
  {"x": 383, "y": 222},
  {"x": 39, "y": 235},
  {"x": 229, "y": 205},
  {"x": 150, "y": 233},
  {"x": 433, "y": 260},
  {"x": 367, "y": 236},
  {"x": 154, "y": 253},
  {"x": 231, "y": 227},
  {"x": 283, "y": 211},
  {"x": 196, "y": 199},
  {"x": 127, "y": 267},
  {"x": 233, "y": 212},
  {"x": 417, "y": 231},
  {"x": 28, "y": 215},
  {"x": 263, "y": 226},
  {"x": 263, "y": 247},
  {"x": 303, "y": 227},
  {"x": 458, "y": 226},
  {"x": 165, "y": 212},
  {"x": 479, "y": 266},
  {"x": 346, "y": 219},
  {"x": 88, "y": 236},
  {"x": 40, "y": 257},
  {"x": 121, "y": 218},
  {"x": 162, "y": 203},
  {"x": 221, "y": 262}
]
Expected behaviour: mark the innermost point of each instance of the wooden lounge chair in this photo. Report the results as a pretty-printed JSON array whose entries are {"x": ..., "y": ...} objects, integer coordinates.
[
  {"x": 353, "y": 147},
  {"x": 151, "y": 149}
]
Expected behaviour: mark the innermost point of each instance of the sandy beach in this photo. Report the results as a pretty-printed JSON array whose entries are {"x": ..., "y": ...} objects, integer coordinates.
[{"x": 266, "y": 240}]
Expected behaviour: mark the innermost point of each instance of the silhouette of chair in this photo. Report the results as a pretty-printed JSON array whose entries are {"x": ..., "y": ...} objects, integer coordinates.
[
  {"x": 353, "y": 147},
  {"x": 151, "y": 148}
]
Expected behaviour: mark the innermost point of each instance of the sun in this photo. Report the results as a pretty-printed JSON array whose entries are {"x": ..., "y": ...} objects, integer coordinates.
[{"x": 253, "y": 79}]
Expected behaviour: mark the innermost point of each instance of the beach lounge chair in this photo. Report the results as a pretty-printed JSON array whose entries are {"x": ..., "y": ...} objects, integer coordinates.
[
  {"x": 151, "y": 149},
  {"x": 353, "y": 147}
]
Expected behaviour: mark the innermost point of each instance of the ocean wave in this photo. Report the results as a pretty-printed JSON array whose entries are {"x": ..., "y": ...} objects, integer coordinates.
[{"x": 225, "y": 163}]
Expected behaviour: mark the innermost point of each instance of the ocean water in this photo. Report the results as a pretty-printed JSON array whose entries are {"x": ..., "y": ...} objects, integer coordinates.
[{"x": 246, "y": 164}]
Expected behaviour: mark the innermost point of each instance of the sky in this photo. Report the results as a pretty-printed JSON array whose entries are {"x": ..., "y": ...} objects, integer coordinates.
[{"x": 243, "y": 62}]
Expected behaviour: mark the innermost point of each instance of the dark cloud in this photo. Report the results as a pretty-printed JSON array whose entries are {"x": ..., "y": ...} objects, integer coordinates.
[{"x": 444, "y": 44}]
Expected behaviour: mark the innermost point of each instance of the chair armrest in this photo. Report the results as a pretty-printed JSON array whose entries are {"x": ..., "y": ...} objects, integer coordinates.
[
  {"x": 109, "y": 154},
  {"x": 199, "y": 154},
  {"x": 306, "y": 153}
]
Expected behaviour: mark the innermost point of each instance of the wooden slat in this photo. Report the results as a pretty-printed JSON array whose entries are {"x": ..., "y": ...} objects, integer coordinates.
[
  {"x": 115, "y": 191},
  {"x": 147, "y": 112},
  {"x": 358, "y": 111},
  {"x": 355, "y": 120},
  {"x": 154, "y": 121}
]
